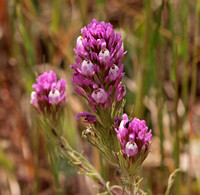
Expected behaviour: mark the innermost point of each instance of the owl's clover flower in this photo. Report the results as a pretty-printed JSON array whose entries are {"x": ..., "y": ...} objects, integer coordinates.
[
  {"x": 98, "y": 68},
  {"x": 133, "y": 137},
  {"x": 49, "y": 93},
  {"x": 98, "y": 72}
]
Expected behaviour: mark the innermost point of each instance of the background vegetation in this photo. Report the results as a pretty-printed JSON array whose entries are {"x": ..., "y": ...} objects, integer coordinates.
[{"x": 162, "y": 38}]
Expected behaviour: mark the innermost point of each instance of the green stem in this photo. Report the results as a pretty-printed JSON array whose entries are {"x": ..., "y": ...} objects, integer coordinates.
[
  {"x": 176, "y": 128},
  {"x": 36, "y": 160},
  {"x": 139, "y": 108},
  {"x": 73, "y": 157},
  {"x": 54, "y": 164},
  {"x": 56, "y": 7},
  {"x": 26, "y": 39},
  {"x": 103, "y": 171},
  {"x": 78, "y": 161},
  {"x": 160, "y": 124},
  {"x": 141, "y": 74},
  {"x": 193, "y": 89},
  {"x": 156, "y": 38}
]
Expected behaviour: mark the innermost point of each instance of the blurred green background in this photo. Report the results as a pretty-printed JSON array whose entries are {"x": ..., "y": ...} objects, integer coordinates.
[{"x": 162, "y": 77}]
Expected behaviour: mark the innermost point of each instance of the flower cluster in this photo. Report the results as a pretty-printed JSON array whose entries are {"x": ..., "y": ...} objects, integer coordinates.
[
  {"x": 98, "y": 68},
  {"x": 133, "y": 136},
  {"x": 98, "y": 73},
  {"x": 49, "y": 93}
]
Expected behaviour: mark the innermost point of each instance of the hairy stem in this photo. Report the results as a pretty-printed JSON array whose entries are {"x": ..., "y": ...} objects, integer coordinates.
[{"x": 54, "y": 164}]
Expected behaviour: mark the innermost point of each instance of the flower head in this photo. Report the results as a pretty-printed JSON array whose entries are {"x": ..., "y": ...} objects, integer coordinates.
[
  {"x": 133, "y": 136},
  {"x": 49, "y": 92},
  {"x": 98, "y": 68}
]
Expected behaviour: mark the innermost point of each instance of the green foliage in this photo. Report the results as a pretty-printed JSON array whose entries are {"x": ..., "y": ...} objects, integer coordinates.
[{"x": 6, "y": 163}]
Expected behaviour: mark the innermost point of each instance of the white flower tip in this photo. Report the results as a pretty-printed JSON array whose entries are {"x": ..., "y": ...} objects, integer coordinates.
[
  {"x": 105, "y": 54},
  {"x": 87, "y": 67},
  {"x": 113, "y": 72},
  {"x": 100, "y": 95},
  {"x": 131, "y": 149},
  {"x": 79, "y": 42},
  {"x": 54, "y": 96},
  {"x": 33, "y": 95}
]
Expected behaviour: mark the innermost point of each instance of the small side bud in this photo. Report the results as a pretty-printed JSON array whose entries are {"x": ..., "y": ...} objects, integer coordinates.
[
  {"x": 79, "y": 43},
  {"x": 120, "y": 92},
  {"x": 33, "y": 100}
]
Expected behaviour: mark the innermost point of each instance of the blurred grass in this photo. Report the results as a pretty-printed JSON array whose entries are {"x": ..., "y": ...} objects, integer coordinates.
[
  {"x": 162, "y": 40},
  {"x": 6, "y": 163}
]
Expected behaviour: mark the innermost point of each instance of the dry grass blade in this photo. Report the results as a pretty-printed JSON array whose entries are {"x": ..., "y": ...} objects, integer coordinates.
[{"x": 171, "y": 181}]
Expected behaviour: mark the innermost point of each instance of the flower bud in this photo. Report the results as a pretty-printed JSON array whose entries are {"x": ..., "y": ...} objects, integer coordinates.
[
  {"x": 105, "y": 55},
  {"x": 113, "y": 72},
  {"x": 54, "y": 96},
  {"x": 79, "y": 43},
  {"x": 100, "y": 96},
  {"x": 33, "y": 100},
  {"x": 87, "y": 67},
  {"x": 135, "y": 145},
  {"x": 131, "y": 149},
  {"x": 120, "y": 92},
  {"x": 133, "y": 135}
]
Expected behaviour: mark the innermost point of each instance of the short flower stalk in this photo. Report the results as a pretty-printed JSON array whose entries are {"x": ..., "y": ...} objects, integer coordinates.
[
  {"x": 135, "y": 140},
  {"x": 49, "y": 99}
]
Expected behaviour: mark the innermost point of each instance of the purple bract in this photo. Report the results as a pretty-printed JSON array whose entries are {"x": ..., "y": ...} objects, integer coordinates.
[
  {"x": 88, "y": 117},
  {"x": 98, "y": 68},
  {"x": 133, "y": 136},
  {"x": 49, "y": 92}
]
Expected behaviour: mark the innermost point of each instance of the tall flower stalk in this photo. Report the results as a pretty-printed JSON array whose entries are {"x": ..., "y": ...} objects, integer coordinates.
[
  {"x": 98, "y": 78},
  {"x": 98, "y": 75}
]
